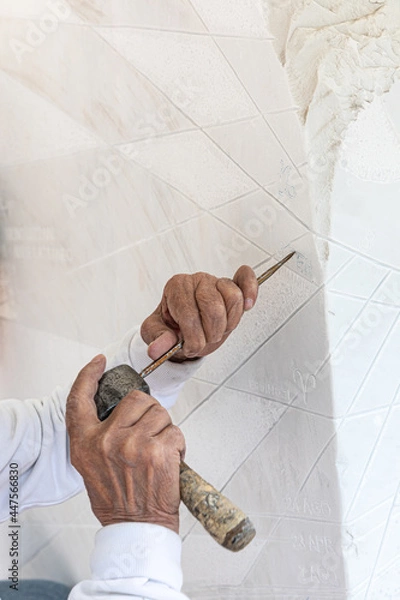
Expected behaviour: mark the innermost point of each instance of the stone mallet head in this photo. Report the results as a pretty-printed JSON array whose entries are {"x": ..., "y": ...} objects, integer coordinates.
[{"x": 225, "y": 522}]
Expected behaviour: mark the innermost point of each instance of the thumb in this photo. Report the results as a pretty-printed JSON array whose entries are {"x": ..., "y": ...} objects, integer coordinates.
[
  {"x": 158, "y": 335},
  {"x": 81, "y": 409}
]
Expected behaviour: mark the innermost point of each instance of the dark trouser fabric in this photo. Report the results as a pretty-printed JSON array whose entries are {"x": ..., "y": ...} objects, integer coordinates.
[{"x": 34, "y": 589}]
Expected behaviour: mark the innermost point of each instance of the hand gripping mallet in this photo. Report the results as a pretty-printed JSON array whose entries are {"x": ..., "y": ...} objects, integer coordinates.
[{"x": 225, "y": 522}]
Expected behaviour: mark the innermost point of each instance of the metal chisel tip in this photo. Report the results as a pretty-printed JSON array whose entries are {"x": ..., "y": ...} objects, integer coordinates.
[{"x": 273, "y": 269}]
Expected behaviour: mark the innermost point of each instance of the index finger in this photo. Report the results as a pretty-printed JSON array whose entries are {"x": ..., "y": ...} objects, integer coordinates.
[
  {"x": 246, "y": 279},
  {"x": 180, "y": 303},
  {"x": 81, "y": 409}
]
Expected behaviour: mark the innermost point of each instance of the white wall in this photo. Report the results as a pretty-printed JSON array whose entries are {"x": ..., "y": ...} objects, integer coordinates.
[{"x": 143, "y": 139}]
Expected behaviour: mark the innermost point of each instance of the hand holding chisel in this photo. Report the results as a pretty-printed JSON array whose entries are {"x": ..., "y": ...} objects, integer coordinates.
[{"x": 222, "y": 519}]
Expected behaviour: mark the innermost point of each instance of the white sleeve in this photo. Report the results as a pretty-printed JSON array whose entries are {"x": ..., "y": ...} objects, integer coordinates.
[
  {"x": 134, "y": 560},
  {"x": 33, "y": 433}
]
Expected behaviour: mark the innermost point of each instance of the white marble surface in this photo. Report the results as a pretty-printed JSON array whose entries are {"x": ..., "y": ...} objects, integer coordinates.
[
  {"x": 178, "y": 15},
  {"x": 140, "y": 139},
  {"x": 207, "y": 95},
  {"x": 257, "y": 66},
  {"x": 253, "y": 145},
  {"x": 182, "y": 161}
]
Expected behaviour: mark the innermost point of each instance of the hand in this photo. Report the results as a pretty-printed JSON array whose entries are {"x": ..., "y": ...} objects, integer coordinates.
[
  {"x": 129, "y": 462},
  {"x": 200, "y": 309}
]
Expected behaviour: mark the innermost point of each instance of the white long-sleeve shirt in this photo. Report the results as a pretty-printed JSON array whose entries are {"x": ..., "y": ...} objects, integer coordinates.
[{"x": 130, "y": 560}]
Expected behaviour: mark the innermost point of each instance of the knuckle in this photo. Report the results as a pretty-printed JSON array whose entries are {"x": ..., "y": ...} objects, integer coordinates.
[
  {"x": 127, "y": 450},
  {"x": 194, "y": 347},
  {"x": 140, "y": 396},
  {"x": 176, "y": 280},
  {"x": 236, "y": 296},
  {"x": 210, "y": 302},
  {"x": 177, "y": 434},
  {"x": 201, "y": 275},
  {"x": 156, "y": 453},
  {"x": 232, "y": 292},
  {"x": 160, "y": 413},
  {"x": 190, "y": 320},
  {"x": 218, "y": 311},
  {"x": 215, "y": 331},
  {"x": 137, "y": 400},
  {"x": 214, "y": 321},
  {"x": 236, "y": 306},
  {"x": 106, "y": 442}
]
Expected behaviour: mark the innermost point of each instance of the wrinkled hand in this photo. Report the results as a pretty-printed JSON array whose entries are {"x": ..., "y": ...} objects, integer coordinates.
[
  {"x": 201, "y": 309},
  {"x": 130, "y": 461}
]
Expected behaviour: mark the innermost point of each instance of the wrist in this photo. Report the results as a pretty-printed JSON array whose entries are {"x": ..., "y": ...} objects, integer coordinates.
[{"x": 168, "y": 521}]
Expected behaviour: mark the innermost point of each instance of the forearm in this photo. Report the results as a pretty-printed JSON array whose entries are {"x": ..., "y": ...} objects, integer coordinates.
[{"x": 34, "y": 440}]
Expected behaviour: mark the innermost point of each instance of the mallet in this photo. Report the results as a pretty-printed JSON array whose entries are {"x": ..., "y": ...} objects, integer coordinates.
[{"x": 225, "y": 522}]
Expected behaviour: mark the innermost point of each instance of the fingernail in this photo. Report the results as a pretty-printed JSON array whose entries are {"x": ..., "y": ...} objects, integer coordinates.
[
  {"x": 248, "y": 304},
  {"x": 97, "y": 359}
]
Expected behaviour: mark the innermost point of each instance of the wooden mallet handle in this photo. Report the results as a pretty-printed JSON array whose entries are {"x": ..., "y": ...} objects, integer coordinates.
[{"x": 224, "y": 521}]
